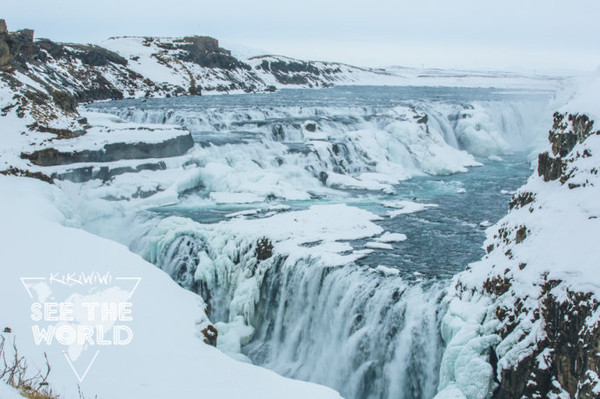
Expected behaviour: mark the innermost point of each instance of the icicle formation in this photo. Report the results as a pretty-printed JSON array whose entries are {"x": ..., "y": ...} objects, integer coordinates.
[{"x": 348, "y": 327}]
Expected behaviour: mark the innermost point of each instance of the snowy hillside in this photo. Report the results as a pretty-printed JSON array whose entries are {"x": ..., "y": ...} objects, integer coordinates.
[
  {"x": 167, "y": 328},
  {"x": 530, "y": 307}
]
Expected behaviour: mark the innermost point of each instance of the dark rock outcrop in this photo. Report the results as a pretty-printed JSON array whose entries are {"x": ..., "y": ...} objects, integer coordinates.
[
  {"x": 113, "y": 152},
  {"x": 294, "y": 72},
  {"x": 564, "y": 357},
  {"x": 104, "y": 173},
  {"x": 264, "y": 249},
  {"x": 210, "y": 335},
  {"x": 26, "y": 173},
  {"x": 5, "y": 55},
  {"x": 205, "y": 51},
  {"x": 567, "y": 131}
]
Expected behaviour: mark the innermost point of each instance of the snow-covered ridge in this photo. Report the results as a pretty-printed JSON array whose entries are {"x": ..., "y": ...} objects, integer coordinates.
[
  {"x": 125, "y": 67},
  {"x": 530, "y": 307}
]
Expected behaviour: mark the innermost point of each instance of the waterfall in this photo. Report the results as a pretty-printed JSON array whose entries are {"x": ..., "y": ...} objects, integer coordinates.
[
  {"x": 351, "y": 327},
  {"x": 291, "y": 151}
]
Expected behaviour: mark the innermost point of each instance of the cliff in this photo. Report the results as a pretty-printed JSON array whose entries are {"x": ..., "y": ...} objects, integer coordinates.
[{"x": 525, "y": 320}]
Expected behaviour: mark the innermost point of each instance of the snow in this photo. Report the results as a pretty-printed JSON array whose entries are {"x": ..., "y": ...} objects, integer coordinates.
[
  {"x": 388, "y": 271},
  {"x": 37, "y": 217},
  {"x": 405, "y": 207},
  {"x": 234, "y": 198},
  {"x": 584, "y": 97},
  {"x": 388, "y": 237},
  {"x": 151, "y": 58},
  {"x": 378, "y": 245},
  {"x": 578, "y": 221},
  {"x": 7, "y": 392},
  {"x": 166, "y": 357},
  {"x": 108, "y": 129}
]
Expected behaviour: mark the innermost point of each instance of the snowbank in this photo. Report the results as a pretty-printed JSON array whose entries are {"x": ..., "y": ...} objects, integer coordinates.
[{"x": 166, "y": 357}]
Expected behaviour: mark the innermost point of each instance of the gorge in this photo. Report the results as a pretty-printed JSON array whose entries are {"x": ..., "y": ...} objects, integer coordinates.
[{"x": 325, "y": 232}]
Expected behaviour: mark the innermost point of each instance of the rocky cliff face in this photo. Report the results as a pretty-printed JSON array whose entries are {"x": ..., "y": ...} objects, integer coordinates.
[
  {"x": 157, "y": 67},
  {"x": 48, "y": 79},
  {"x": 536, "y": 329}
]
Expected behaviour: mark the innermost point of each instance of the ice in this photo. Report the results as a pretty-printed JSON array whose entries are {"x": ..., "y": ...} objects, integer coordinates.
[
  {"x": 388, "y": 271},
  {"x": 248, "y": 212},
  {"x": 234, "y": 198},
  {"x": 378, "y": 245},
  {"x": 391, "y": 237},
  {"x": 404, "y": 207},
  {"x": 266, "y": 150}
]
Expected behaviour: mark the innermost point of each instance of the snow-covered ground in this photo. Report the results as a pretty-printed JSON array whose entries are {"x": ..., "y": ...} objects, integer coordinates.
[{"x": 166, "y": 357}]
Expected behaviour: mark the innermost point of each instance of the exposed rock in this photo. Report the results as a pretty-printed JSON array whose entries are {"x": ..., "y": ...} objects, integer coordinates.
[
  {"x": 521, "y": 234},
  {"x": 60, "y": 133},
  {"x": 295, "y": 72},
  {"x": 96, "y": 55},
  {"x": 323, "y": 176},
  {"x": 311, "y": 127},
  {"x": 210, "y": 335},
  {"x": 113, "y": 152},
  {"x": 5, "y": 55},
  {"x": 64, "y": 100},
  {"x": 104, "y": 173},
  {"x": 567, "y": 131},
  {"x": 264, "y": 249},
  {"x": 205, "y": 51},
  {"x": 521, "y": 199},
  {"x": 26, "y": 173},
  {"x": 564, "y": 357}
]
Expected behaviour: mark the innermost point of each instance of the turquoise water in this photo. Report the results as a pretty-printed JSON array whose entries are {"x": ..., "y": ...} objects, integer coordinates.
[{"x": 442, "y": 240}]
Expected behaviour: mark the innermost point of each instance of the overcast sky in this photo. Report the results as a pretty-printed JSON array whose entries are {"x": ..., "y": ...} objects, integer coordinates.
[{"x": 501, "y": 34}]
